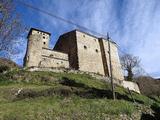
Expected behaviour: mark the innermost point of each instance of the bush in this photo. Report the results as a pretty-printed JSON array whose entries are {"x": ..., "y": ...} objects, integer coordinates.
[
  {"x": 63, "y": 91},
  {"x": 4, "y": 68}
]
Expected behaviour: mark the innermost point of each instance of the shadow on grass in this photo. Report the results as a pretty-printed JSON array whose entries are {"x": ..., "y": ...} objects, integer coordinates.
[
  {"x": 156, "y": 109},
  {"x": 90, "y": 92},
  {"x": 155, "y": 116},
  {"x": 153, "y": 98},
  {"x": 145, "y": 116},
  {"x": 71, "y": 87},
  {"x": 28, "y": 93}
]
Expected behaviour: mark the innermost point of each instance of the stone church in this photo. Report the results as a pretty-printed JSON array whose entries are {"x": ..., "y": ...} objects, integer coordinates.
[{"x": 75, "y": 50}]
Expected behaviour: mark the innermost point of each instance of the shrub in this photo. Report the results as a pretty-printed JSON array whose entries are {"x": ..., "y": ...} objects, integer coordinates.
[
  {"x": 63, "y": 91},
  {"x": 4, "y": 68}
]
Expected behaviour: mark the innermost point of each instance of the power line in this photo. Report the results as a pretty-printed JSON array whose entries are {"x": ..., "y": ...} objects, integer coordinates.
[
  {"x": 60, "y": 18},
  {"x": 65, "y": 20}
]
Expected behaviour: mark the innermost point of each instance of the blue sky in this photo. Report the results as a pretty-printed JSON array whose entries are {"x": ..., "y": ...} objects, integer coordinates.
[{"x": 133, "y": 24}]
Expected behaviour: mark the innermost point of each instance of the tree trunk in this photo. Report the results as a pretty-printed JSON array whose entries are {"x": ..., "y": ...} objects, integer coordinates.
[{"x": 130, "y": 75}]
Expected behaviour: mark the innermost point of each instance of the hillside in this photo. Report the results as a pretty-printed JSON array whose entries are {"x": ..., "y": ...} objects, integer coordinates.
[
  {"x": 149, "y": 86},
  {"x": 6, "y": 64},
  {"x": 64, "y": 96}
]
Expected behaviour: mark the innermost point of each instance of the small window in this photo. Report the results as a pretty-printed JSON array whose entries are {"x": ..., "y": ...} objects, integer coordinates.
[
  {"x": 96, "y": 50},
  {"x": 44, "y": 43},
  {"x": 43, "y": 33},
  {"x": 61, "y": 62},
  {"x": 95, "y": 40},
  {"x": 27, "y": 58},
  {"x": 43, "y": 37},
  {"x": 85, "y": 47},
  {"x": 51, "y": 55},
  {"x": 83, "y": 35}
]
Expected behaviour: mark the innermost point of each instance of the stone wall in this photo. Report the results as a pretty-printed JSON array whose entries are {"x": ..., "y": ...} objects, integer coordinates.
[
  {"x": 67, "y": 44},
  {"x": 116, "y": 66},
  {"x": 44, "y": 37},
  {"x": 36, "y": 40},
  {"x": 33, "y": 54},
  {"x": 131, "y": 85},
  {"x": 54, "y": 54},
  {"x": 52, "y": 58},
  {"x": 38, "y": 53},
  {"x": 89, "y": 53}
]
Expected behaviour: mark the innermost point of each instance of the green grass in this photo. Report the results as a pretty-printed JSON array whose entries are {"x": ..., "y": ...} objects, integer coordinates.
[
  {"x": 78, "y": 101},
  {"x": 67, "y": 108}
]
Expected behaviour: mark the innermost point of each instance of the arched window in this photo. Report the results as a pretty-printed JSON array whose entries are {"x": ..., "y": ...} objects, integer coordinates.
[{"x": 97, "y": 50}]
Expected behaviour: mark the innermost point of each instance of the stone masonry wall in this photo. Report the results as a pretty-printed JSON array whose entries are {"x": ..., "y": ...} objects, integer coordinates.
[
  {"x": 33, "y": 54},
  {"x": 67, "y": 44},
  {"x": 44, "y": 37},
  {"x": 131, "y": 85},
  {"x": 36, "y": 40},
  {"x": 52, "y": 58},
  {"x": 89, "y": 53},
  {"x": 116, "y": 66},
  {"x": 54, "y": 54}
]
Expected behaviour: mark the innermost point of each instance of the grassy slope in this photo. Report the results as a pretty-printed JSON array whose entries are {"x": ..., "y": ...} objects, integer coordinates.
[
  {"x": 6, "y": 62},
  {"x": 48, "y": 95}
]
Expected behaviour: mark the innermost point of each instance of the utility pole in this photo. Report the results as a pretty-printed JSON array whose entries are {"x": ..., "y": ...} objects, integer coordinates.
[{"x": 110, "y": 64}]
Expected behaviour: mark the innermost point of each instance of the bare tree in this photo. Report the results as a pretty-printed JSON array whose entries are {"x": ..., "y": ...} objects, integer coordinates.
[
  {"x": 129, "y": 64},
  {"x": 10, "y": 26}
]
